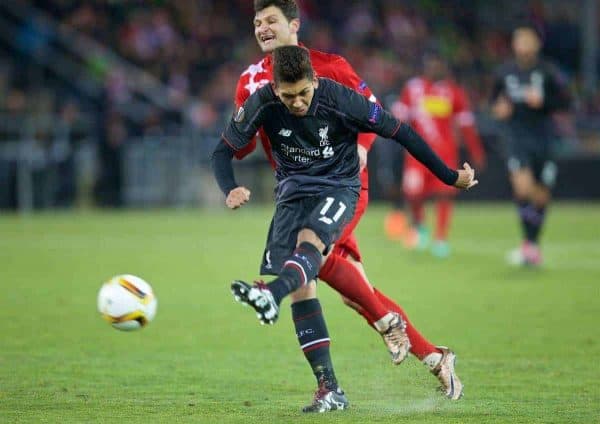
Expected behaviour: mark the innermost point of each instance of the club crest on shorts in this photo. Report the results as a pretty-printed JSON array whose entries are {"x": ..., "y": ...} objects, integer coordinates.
[{"x": 239, "y": 115}]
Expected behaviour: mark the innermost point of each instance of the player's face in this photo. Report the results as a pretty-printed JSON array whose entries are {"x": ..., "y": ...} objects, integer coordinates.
[
  {"x": 273, "y": 30},
  {"x": 297, "y": 96},
  {"x": 526, "y": 43}
]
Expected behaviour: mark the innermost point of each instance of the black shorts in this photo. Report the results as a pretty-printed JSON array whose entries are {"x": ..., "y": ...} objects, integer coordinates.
[
  {"x": 326, "y": 215},
  {"x": 535, "y": 154}
]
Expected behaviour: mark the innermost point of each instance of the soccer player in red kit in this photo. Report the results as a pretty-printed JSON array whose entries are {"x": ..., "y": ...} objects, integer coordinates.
[
  {"x": 434, "y": 105},
  {"x": 276, "y": 23}
]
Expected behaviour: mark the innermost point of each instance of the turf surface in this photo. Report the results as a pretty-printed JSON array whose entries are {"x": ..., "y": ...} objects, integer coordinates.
[{"x": 527, "y": 340}]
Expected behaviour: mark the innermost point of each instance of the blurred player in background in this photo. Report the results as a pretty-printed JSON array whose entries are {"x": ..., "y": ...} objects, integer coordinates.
[
  {"x": 526, "y": 93},
  {"x": 434, "y": 104},
  {"x": 276, "y": 23}
]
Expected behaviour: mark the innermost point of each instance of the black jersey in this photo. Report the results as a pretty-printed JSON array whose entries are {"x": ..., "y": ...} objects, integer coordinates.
[
  {"x": 316, "y": 151},
  {"x": 512, "y": 82}
]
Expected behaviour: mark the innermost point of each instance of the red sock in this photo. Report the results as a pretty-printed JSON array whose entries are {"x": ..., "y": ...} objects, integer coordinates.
[
  {"x": 444, "y": 214},
  {"x": 347, "y": 280},
  {"x": 420, "y": 346},
  {"x": 417, "y": 210}
]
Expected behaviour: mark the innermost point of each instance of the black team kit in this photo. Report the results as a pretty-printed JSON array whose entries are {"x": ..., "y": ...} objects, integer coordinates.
[
  {"x": 317, "y": 188},
  {"x": 529, "y": 131}
]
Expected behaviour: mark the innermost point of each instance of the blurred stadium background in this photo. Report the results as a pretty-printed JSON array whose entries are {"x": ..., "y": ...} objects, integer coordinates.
[{"x": 119, "y": 103}]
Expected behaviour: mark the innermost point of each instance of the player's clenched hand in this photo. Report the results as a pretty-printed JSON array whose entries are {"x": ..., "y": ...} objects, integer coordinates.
[
  {"x": 502, "y": 109},
  {"x": 466, "y": 178},
  {"x": 534, "y": 98},
  {"x": 237, "y": 197}
]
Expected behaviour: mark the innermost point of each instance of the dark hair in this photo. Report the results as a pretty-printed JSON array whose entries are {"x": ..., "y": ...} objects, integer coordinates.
[
  {"x": 289, "y": 8},
  {"x": 291, "y": 64}
]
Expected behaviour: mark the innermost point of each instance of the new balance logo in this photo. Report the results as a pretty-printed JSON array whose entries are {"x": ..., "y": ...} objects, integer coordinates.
[{"x": 285, "y": 133}]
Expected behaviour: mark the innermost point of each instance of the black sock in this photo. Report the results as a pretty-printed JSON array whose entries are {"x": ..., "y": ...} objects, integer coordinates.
[
  {"x": 525, "y": 208},
  {"x": 532, "y": 220},
  {"x": 314, "y": 340},
  {"x": 537, "y": 222},
  {"x": 302, "y": 267}
]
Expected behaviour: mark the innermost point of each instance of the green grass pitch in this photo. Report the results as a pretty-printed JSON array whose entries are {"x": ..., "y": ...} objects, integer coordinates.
[{"x": 527, "y": 340}]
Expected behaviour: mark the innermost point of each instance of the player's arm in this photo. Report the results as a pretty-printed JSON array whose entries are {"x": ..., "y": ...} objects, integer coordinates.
[
  {"x": 557, "y": 95},
  {"x": 221, "y": 159},
  {"x": 372, "y": 117},
  {"x": 238, "y": 134}
]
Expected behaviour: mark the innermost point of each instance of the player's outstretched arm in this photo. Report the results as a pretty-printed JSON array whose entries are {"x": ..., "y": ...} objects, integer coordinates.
[{"x": 418, "y": 148}]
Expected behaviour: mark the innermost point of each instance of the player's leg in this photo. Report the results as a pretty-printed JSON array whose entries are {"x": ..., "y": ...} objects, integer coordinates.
[
  {"x": 311, "y": 330},
  {"x": 316, "y": 222},
  {"x": 545, "y": 176},
  {"x": 343, "y": 277},
  {"x": 347, "y": 280},
  {"x": 325, "y": 223},
  {"x": 339, "y": 274},
  {"x": 444, "y": 205},
  {"x": 439, "y": 360},
  {"x": 314, "y": 341},
  {"x": 523, "y": 184},
  {"x": 414, "y": 187},
  {"x": 296, "y": 271},
  {"x": 322, "y": 228},
  {"x": 540, "y": 200},
  {"x": 349, "y": 277}
]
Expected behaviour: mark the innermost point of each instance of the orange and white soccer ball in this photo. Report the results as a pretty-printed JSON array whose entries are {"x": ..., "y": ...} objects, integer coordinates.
[{"x": 127, "y": 302}]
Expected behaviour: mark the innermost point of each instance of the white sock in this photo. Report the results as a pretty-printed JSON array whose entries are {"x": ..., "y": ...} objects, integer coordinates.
[
  {"x": 432, "y": 360},
  {"x": 383, "y": 323}
]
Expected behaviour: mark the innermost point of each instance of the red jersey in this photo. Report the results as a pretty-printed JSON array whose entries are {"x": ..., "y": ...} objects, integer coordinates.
[
  {"x": 433, "y": 108},
  {"x": 325, "y": 65}
]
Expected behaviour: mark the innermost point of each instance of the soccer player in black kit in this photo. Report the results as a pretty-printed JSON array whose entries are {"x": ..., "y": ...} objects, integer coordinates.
[
  {"x": 313, "y": 125},
  {"x": 526, "y": 93}
]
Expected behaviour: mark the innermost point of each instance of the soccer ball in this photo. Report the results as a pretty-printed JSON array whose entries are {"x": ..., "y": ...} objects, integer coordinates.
[{"x": 127, "y": 302}]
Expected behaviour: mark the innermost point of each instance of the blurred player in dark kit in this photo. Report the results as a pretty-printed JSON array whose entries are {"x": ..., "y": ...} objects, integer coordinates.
[{"x": 526, "y": 93}]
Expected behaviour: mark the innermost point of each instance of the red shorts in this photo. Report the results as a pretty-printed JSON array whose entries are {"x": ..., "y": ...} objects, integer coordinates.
[
  {"x": 347, "y": 244},
  {"x": 418, "y": 181}
]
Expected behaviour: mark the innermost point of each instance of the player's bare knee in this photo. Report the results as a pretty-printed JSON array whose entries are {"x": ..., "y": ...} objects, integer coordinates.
[
  {"x": 523, "y": 183},
  {"x": 308, "y": 291},
  {"x": 541, "y": 196},
  {"x": 309, "y": 236}
]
